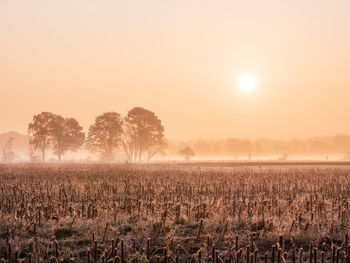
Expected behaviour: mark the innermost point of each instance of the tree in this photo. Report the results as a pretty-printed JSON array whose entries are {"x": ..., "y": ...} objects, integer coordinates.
[
  {"x": 48, "y": 129},
  {"x": 143, "y": 134},
  {"x": 104, "y": 135},
  {"x": 66, "y": 134},
  {"x": 40, "y": 132},
  {"x": 7, "y": 148},
  {"x": 187, "y": 153}
]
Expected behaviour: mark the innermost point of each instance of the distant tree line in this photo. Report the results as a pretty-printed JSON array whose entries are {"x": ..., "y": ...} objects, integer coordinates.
[
  {"x": 234, "y": 147},
  {"x": 140, "y": 135}
]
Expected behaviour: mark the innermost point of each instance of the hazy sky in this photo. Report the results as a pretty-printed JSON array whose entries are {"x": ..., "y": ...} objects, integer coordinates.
[{"x": 180, "y": 59}]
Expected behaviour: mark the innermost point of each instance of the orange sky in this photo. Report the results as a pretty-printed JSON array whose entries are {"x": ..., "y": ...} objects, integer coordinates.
[{"x": 180, "y": 59}]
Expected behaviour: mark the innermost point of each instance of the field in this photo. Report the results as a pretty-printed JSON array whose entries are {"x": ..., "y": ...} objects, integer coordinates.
[{"x": 174, "y": 213}]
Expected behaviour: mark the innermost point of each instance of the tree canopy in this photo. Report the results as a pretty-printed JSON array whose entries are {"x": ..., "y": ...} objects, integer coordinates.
[
  {"x": 48, "y": 129},
  {"x": 66, "y": 135},
  {"x": 39, "y": 131},
  {"x": 104, "y": 135},
  {"x": 143, "y": 134}
]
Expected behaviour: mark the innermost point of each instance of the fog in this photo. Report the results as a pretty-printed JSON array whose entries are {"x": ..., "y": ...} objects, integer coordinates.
[{"x": 332, "y": 148}]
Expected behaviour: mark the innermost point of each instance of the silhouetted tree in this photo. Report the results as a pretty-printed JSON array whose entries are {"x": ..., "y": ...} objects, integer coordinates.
[
  {"x": 105, "y": 134},
  {"x": 66, "y": 134},
  {"x": 40, "y": 132},
  {"x": 143, "y": 134},
  {"x": 7, "y": 148},
  {"x": 187, "y": 153},
  {"x": 52, "y": 129}
]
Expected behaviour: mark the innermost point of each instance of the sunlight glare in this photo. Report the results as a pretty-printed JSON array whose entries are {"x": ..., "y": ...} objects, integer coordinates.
[{"x": 247, "y": 83}]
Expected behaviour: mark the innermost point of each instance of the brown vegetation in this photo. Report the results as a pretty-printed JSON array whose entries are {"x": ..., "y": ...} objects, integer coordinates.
[{"x": 134, "y": 213}]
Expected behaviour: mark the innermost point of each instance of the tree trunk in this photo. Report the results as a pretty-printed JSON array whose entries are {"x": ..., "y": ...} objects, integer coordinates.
[
  {"x": 134, "y": 155},
  {"x": 140, "y": 153},
  {"x": 43, "y": 154},
  {"x": 43, "y": 148}
]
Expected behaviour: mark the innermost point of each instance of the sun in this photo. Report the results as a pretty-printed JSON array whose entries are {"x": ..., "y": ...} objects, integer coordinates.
[{"x": 247, "y": 82}]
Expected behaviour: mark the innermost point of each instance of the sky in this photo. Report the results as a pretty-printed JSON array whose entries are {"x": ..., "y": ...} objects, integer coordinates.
[{"x": 183, "y": 60}]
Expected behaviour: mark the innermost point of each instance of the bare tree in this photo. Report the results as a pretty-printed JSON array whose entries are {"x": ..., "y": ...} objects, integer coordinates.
[
  {"x": 104, "y": 135},
  {"x": 143, "y": 134},
  {"x": 7, "y": 147}
]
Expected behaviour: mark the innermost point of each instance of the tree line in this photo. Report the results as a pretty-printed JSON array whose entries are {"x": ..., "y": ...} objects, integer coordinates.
[
  {"x": 140, "y": 135},
  {"x": 320, "y": 147}
]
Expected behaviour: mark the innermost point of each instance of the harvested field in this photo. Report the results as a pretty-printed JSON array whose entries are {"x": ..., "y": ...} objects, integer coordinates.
[{"x": 160, "y": 213}]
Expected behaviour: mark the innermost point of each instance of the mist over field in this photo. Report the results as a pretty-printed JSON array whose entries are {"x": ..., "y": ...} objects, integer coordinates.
[{"x": 332, "y": 148}]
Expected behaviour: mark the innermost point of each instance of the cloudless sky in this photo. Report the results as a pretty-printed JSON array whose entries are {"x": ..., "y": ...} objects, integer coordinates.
[{"x": 180, "y": 59}]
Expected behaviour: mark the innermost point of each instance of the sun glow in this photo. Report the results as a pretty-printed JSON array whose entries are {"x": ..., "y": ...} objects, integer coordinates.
[{"x": 247, "y": 83}]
